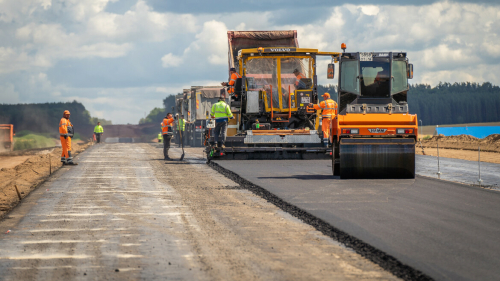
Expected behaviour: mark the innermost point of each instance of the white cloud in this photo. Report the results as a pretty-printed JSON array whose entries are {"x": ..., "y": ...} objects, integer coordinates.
[
  {"x": 370, "y": 10},
  {"x": 446, "y": 41},
  {"x": 8, "y": 94},
  {"x": 211, "y": 43},
  {"x": 170, "y": 60}
]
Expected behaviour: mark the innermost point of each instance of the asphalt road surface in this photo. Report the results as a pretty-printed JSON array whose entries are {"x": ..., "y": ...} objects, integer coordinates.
[{"x": 448, "y": 231}]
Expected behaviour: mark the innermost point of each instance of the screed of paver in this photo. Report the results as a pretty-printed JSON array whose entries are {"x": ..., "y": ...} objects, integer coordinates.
[{"x": 237, "y": 235}]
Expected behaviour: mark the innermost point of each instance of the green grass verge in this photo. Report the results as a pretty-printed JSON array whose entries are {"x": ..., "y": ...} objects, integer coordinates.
[{"x": 29, "y": 141}]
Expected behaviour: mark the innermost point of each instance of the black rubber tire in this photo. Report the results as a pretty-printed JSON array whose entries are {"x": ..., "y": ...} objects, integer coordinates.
[{"x": 335, "y": 166}]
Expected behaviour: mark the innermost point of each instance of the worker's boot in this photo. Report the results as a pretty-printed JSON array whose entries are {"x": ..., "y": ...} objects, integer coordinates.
[
  {"x": 63, "y": 160},
  {"x": 167, "y": 157},
  {"x": 325, "y": 142},
  {"x": 70, "y": 159}
]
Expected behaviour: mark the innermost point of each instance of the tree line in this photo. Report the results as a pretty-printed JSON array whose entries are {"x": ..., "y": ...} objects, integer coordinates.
[
  {"x": 448, "y": 103},
  {"x": 455, "y": 103},
  {"x": 44, "y": 117}
]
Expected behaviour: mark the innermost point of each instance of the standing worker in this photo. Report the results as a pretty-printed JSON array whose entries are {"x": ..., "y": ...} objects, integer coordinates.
[
  {"x": 159, "y": 137},
  {"x": 181, "y": 128},
  {"x": 98, "y": 131},
  {"x": 167, "y": 132},
  {"x": 221, "y": 112},
  {"x": 66, "y": 133},
  {"x": 234, "y": 75},
  {"x": 329, "y": 110}
]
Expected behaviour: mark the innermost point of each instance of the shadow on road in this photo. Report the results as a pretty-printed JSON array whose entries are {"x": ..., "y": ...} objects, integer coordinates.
[{"x": 304, "y": 177}]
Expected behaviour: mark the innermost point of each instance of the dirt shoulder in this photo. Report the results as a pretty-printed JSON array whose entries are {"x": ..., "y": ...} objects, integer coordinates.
[
  {"x": 463, "y": 147},
  {"x": 237, "y": 235},
  {"x": 27, "y": 170}
]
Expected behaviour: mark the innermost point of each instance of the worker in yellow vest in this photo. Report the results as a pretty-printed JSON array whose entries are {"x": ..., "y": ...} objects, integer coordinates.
[
  {"x": 181, "y": 129},
  {"x": 221, "y": 112},
  {"x": 98, "y": 131}
]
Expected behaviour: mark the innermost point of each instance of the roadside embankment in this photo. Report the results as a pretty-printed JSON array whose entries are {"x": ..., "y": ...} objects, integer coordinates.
[
  {"x": 463, "y": 147},
  {"x": 26, "y": 170}
]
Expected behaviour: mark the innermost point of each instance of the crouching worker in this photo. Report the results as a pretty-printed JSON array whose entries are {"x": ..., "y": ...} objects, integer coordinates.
[{"x": 66, "y": 133}]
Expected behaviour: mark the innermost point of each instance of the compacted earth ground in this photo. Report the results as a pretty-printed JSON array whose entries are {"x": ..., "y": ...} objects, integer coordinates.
[
  {"x": 25, "y": 170},
  {"x": 462, "y": 147},
  {"x": 126, "y": 214}
]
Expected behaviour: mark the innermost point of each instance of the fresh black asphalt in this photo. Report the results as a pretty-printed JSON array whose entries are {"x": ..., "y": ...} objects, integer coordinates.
[{"x": 446, "y": 230}]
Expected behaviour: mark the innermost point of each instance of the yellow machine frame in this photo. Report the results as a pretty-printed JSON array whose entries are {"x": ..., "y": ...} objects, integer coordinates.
[
  {"x": 256, "y": 53},
  {"x": 278, "y": 58}
]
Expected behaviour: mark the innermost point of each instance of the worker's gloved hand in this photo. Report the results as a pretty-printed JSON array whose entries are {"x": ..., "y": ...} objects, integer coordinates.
[
  {"x": 232, "y": 117},
  {"x": 65, "y": 136}
]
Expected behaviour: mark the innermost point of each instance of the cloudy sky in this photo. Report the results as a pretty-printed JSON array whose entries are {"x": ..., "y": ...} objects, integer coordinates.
[{"x": 120, "y": 58}]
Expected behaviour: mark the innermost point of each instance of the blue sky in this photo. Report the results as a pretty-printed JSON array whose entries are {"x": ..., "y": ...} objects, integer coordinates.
[{"x": 120, "y": 58}]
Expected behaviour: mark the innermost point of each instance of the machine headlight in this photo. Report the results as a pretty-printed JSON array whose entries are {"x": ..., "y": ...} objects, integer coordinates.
[
  {"x": 350, "y": 131},
  {"x": 404, "y": 131}
]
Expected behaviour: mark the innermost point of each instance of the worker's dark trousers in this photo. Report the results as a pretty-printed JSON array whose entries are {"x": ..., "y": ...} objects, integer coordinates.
[
  {"x": 98, "y": 137},
  {"x": 166, "y": 144},
  {"x": 220, "y": 133}
]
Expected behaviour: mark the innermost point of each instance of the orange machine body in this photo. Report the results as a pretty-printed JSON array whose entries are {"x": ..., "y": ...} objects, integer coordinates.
[
  {"x": 374, "y": 125},
  {"x": 7, "y": 136}
]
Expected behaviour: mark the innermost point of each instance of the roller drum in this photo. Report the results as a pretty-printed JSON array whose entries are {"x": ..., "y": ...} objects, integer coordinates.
[{"x": 377, "y": 158}]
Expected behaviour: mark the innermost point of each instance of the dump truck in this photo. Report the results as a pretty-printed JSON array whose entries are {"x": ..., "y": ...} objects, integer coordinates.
[
  {"x": 7, "y": 134},
  {"x": 373, "y": 135},
  {"x": 270, "y": 102}
]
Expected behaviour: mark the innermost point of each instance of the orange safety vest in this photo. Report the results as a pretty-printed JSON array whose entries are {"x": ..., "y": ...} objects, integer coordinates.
[
  {"x": 63, "y": 126},
  {"x": 300, "y": 76},
  {"x": 166, "y": 126},
  {"x": 329, "y": 107},
  {"x": 231, "y": 83}
]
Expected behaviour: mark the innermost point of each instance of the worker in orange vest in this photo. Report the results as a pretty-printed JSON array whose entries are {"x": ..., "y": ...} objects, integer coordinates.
[
  {"x": 66, "y": 133},
  {"x": 329, "y": 110},
  {"x": 167, "y": 132},
  {"x": 298, "y": 83},
  {"x": 234, "y": 75}
]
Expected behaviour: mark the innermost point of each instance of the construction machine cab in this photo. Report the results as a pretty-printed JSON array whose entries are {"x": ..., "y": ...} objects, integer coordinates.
[
  {"x": 373, "y": 79},
  {"x": 277, "y": 85}
]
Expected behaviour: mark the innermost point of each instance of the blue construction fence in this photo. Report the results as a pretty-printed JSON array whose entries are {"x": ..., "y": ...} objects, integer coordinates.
[{"x": 475, "y": 131}]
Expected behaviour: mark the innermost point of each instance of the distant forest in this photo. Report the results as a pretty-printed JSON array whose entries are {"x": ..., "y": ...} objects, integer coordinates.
[
  {"x": 443, "y": 104},
  {"x": 448, "y": 103},
  {"x": 455, "y": 103},
  {"x": 44, "y": 117}
]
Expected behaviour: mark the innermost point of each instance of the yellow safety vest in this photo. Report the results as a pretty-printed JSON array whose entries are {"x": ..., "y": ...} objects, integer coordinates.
[{"x": 221, "y": 110}]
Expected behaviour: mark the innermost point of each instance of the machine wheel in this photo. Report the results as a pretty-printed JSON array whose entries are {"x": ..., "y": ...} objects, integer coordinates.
[
  {"x": 335, "y": 166},
  {"x": 209, "y": 152}
]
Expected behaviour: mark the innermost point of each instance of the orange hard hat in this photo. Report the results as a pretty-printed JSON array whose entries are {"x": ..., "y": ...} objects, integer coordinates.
[
  {"x": 66, "y": 112},
  {"x": 326, "y": 95}
]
